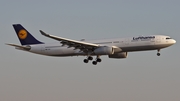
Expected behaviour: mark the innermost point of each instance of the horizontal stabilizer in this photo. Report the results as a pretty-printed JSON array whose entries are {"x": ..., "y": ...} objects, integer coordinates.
[{"x": 20, "y": 47}]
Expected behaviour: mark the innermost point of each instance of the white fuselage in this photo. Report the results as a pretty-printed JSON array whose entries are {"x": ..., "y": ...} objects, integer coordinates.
[{"x": 139, "y": 43}]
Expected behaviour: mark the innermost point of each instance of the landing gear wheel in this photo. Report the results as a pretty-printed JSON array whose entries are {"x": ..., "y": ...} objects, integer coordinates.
[
  {"x": 94, "y": 62},
  {"x": 158, "y": 54},
  {"x": 98, "y": 60},
  {"x": 86, "y": 60},
  {"x": 90, "y": 58}
]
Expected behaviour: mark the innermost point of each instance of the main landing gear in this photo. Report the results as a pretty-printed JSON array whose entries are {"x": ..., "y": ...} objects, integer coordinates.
[
  {"x": 88, "y": 58},
  {"x": 97, "y": 60},
  {"x": 158, "y": 54},
  {"x": 91, "y": 58}
]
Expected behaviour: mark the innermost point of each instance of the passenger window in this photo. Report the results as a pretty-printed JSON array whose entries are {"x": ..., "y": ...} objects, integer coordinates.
[{"x": 116, "y": 42}]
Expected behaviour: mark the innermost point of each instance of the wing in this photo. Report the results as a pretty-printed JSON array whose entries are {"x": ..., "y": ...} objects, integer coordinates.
[{"x": 83, "y": 46}]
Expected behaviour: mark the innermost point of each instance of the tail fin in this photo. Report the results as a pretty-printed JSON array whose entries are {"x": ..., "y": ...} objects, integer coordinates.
[{"x": 24, "y": 36}]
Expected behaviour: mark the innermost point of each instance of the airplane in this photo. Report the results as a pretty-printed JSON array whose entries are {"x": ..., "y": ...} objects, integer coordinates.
[{"x": 114, "y": 48}]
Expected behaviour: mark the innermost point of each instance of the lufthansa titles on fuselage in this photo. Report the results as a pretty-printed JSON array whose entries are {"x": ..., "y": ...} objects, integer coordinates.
[{"x": 143, "y": 38}]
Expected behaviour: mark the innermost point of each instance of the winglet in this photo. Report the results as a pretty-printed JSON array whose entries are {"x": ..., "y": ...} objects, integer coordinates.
[{"x": 43, "y": 33}]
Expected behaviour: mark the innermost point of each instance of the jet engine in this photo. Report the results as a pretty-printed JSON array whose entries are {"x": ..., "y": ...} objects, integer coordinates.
[
  {"x": 104, "y": 50},
  {"x": 118, "y": 55}
]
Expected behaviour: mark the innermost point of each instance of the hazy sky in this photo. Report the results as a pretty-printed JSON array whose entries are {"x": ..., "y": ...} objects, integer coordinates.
[{"x": 141, "y": 77}]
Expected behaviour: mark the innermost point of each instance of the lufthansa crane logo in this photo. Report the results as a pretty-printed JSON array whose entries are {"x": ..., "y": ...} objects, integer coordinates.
[{"x": 22, "y": 34}]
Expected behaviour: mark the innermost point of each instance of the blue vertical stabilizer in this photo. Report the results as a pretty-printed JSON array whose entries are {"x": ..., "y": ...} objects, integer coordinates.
[{"x": 24, "y": 36}]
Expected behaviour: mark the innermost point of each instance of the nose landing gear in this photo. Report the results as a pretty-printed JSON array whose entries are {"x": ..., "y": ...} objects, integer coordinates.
[{"x": 158, "y": 54}]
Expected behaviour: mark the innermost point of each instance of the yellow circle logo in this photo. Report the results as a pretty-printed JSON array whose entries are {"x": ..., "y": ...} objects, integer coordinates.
[{"x": 22, "y": 34}]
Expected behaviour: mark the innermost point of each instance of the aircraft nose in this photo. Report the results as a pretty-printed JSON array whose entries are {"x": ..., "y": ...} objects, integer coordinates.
[{"x": 173, "y": 41}]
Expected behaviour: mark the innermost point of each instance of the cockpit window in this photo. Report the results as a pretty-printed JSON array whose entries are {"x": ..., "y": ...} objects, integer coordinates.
[{"x": 168, "y": 38}]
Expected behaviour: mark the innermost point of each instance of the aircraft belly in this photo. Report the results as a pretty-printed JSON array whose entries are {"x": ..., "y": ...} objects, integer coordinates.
[
  {"x": 143, "y": 48},
  {"x": 63, "y": 51}
]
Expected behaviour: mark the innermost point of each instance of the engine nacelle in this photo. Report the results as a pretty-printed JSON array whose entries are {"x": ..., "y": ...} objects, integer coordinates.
[
  {"x": 119, "y": 55},
  {"x": 104, "y": 50}
]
